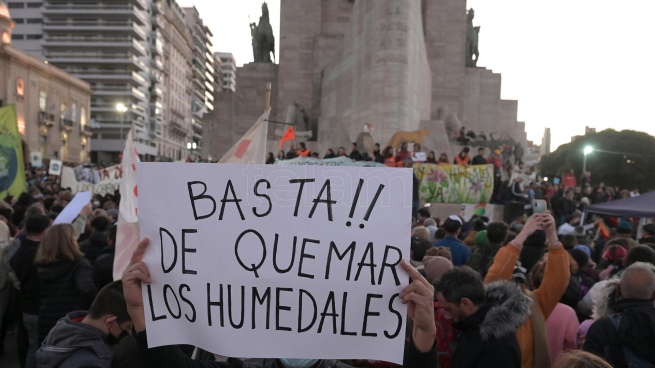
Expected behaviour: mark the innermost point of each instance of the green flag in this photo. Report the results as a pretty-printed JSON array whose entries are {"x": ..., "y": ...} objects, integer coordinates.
[{"x": 12, "y": 169}]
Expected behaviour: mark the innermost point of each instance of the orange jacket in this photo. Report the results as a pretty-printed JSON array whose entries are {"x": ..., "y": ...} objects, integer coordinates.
[
  {"x": 304, "y": 153},
  {"x": 462, "y": 161},
  {"x": 553, "y": 286}
]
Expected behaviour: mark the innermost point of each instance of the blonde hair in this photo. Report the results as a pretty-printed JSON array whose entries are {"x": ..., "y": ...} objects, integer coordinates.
[
  {"x": 580, "y": 359},
  {"x": 58, "y": 244},
  {"x": 421, "y": 232}
]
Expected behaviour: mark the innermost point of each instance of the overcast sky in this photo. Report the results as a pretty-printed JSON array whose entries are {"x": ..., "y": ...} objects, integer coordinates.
[{"x": 569, "y": 63}]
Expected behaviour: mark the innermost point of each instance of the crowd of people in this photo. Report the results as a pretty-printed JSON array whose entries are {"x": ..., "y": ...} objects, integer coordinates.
[
  {"x": 540, "y": 291},
  {"x": 528, "y": 294}
]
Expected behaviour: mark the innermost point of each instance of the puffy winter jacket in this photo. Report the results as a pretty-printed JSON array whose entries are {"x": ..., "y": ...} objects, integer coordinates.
[{"x": 66, "y": 286}]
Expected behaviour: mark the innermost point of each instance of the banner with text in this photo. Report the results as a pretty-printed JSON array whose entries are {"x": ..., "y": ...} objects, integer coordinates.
[
  {"x": 99, "y": 181},
  {"x": 455, "y": 184},
  {"x": 298, "y": 261}
]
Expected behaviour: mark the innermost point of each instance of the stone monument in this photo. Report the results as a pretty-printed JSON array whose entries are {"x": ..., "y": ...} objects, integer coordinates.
[
  {"x": 391, "y": 65},
  {"x": 263, "y": 41}
]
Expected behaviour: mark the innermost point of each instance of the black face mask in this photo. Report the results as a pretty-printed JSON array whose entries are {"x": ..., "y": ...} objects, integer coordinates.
[{"x": 113, "y": 340}]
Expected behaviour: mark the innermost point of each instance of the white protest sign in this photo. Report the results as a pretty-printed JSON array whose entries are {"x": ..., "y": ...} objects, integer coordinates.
[
  {"x": 268, "y": 261},
  {"x": 70, "y": 212},
  {"x": 419, "y": 157},
  {"x": 55, "y": 167},
  {"x": 35, "y": 159}
]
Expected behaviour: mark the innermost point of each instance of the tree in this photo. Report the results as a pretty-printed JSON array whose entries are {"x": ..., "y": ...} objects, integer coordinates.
[{"x": 625, "y": 159}]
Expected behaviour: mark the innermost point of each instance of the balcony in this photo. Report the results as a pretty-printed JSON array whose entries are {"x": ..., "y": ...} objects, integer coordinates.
[
  {"x": 157, "y": 63},
  {"x": 46, "y": 119},
  {"x": 95, "y": 42},
  {"x": 66, "y": 124},
  {"x": 197, "y": 125},
  {"x": 88, "y": 9},
  {"x": 118, "y": 92},
  {"x": 94, "y": 26},
  {"x": 85, "y": 130},
  {"x": 157, "y": 8}
]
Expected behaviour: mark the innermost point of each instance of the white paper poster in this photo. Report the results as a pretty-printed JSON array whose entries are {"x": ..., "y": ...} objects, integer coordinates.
[
  {"x": 70, "y": 212},
  {"x": 35, "y": 159},
  {"x": 268, "y": 261},
  {"x": 55, "y": 167}
]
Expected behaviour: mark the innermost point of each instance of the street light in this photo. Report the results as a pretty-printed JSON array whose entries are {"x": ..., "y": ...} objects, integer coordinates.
[
  {"x": 191, "y": 146},
  {"x": 122, "y": 109},
  {"x": 587, "y": 150}
]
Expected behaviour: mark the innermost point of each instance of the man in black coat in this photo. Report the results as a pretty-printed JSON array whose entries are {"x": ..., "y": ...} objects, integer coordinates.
[
  {"x": 628, "y": 336},
  {"x": 479, "y": 158},
  {"x": 487, "y": 319},
  {"x": 97, "y": 242}
]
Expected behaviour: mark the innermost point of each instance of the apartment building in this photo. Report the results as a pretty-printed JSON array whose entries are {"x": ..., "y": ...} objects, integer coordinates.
[
  {"x": 228, "y": 71},
  {"x": 52, "y": 106},
  {"x": 202, "y": 81}
]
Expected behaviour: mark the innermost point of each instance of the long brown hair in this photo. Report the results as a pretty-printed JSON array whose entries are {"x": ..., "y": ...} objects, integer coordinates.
[
  {"x": 58, "y": 244},
  {"x": 580, "y": 359}
]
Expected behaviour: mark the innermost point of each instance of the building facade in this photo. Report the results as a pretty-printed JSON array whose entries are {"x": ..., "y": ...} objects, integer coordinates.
[
  {"x": 228, "y": 71},
  {"x": 202, "y": 73},
  {"x": 177, "y": 131},
  {"x": 53, "y": 106}
]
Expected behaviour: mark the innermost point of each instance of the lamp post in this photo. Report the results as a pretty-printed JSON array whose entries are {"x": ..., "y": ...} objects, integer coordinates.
[
  {"x": 122, "y": 109},
  {"x": 191, "y": 146},
  {"x": 587, "y": 150}
]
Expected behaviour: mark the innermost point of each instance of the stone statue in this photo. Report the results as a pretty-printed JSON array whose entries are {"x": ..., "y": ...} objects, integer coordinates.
[
  {"x": 298, "y": 117},
  {"x": 263, "y": 41},
  {"x": 451, "y": 122},
  {"x": 472, "y": 34},
  {"x": 408, "y": 137}
]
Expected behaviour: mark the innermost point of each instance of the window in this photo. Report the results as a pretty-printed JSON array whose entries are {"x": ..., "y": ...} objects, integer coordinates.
[
  {"x": 62, "y": 112},
  {"x": 17, "y": 36},
  {"x": 16, "y": 5},
  {"x": 43, "y": 100},
  {"x": 18, "y": 20},
  {"x": 82, "y": 116},
  {"x": 74, "y": 111},
  {"x": 34, "y": 37},
  {"x": 34, "y": 5},
  {"x": 33, "y": 20}
]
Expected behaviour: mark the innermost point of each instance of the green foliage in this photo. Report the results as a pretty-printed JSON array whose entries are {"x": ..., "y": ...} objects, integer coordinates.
[{"x": 608, "y": 162}]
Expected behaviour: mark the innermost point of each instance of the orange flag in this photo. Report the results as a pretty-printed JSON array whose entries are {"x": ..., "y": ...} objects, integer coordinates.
[{"x": 289, "y": 135}]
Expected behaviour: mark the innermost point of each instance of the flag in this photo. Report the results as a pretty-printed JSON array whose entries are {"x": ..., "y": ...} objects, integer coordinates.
[
  {"x": 289, "y": 135},
  {"x": 251, "y": 148},
  {"x": 603, "y": 230},
  {"x": 127, "y": 234},
  {"x": 12, "y": 169}
]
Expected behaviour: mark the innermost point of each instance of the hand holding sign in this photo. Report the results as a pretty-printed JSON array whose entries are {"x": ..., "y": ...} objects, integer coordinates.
[
  {"x": 136, "y": 273},
  {"x": 419, "y": 297}
]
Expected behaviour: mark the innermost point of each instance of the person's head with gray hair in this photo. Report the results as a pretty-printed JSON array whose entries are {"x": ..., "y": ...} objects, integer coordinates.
[
  {"x": 638, "y": 282},
  {"x": 429, "y": 222}
]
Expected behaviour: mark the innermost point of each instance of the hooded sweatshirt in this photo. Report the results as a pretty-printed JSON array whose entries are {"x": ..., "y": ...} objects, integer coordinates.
[
  {"x": 488, "y": 336},
  {"x": 74, "y": 344}
]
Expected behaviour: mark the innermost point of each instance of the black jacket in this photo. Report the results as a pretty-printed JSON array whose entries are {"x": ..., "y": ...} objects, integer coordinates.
[
  {"x": 489, "y": 335},
  {"x": 173, "y": 357},
  {"x": 479, "y": 160},
  {"x": 103, "y": 268},
  {"x": 94, "y": 246},
  {"x": 22, "y": 262},
  {"x": 66, "y": 286},
  {"x": 636, "y": 331}
]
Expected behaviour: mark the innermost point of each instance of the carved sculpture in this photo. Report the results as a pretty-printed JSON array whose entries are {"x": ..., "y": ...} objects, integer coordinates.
[
  {"x": 298, "y": 117},
  {"x": 472, "y": 36},
  {"x": 451, "y": 122},
  {"x": 407, "y": 137},
  {"x": 263, "y": 41}
]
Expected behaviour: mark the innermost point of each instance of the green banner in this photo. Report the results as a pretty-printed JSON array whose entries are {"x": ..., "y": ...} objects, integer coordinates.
[
  {"x": 12, "y": 169},
  {"x": 454, "y": 184}
]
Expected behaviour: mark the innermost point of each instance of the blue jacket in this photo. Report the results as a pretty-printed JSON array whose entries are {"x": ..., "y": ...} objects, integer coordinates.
[{"x": 460, "y": 252}]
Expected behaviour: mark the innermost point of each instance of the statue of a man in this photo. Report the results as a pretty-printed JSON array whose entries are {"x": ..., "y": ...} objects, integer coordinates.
[
  {"x": 263, "y": 41},
  {"x": 472, "y": 33}
]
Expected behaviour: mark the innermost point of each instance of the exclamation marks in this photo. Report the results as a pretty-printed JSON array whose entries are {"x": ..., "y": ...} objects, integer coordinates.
[{"x": 370, "y": 207}]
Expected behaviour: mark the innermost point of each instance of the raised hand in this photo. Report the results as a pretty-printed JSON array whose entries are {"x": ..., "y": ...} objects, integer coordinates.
[
  {"x": 419, "y": 297},
  {"x": 136, "y": 273}
]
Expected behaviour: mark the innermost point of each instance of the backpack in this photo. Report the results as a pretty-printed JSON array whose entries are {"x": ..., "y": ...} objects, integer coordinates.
[{"x": 632, "y": 359}]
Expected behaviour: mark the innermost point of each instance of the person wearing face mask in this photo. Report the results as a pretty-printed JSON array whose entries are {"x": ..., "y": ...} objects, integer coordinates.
[
  {"x": 420, "y": 351},
  {"x": 87, "y": 339}
]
